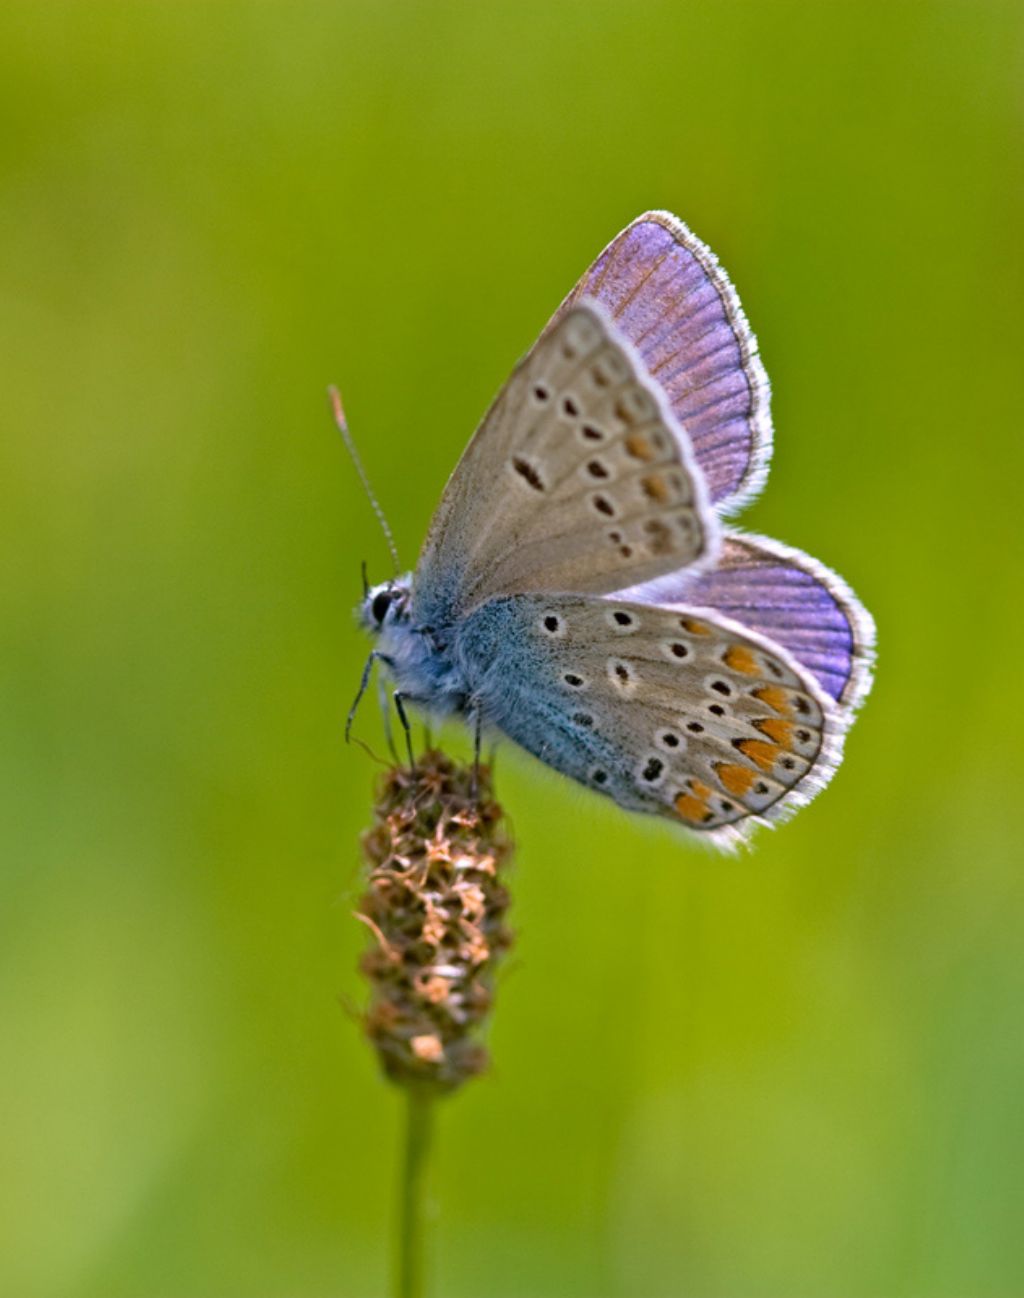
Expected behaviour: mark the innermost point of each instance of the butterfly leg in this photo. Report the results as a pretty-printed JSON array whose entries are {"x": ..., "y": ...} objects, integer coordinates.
[
  {"x": 364, "y": 682},
  {"x": 385, "y": 713},
  {"x": 477, "y": 726},
  {"x": 400, "y": 698}
]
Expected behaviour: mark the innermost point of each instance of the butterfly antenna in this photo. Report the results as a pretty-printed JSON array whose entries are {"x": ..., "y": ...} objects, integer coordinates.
[{"x": 342, "y": 422}]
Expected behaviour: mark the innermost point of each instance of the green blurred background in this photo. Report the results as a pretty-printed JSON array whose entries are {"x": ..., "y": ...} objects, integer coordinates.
[{"x": 794, "y": 1073}]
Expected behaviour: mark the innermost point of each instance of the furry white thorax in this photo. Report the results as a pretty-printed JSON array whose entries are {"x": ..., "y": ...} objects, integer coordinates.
[{"x": 417, "y": 660}]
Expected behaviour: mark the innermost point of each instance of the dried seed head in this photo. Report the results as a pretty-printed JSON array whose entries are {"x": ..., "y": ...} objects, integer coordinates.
[{"x": 436, "y": 908}]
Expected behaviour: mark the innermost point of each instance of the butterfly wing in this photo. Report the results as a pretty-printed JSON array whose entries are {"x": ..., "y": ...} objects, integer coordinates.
[
  {"x": 684, "y": 714},
  {"x": 666, "y": 292},
  {"x": 788, "y": 597},
  {"x": 579, "y": 478}
]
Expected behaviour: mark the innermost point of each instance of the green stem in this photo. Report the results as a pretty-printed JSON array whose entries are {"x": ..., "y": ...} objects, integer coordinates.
[{"x": 409, "y": 1258}]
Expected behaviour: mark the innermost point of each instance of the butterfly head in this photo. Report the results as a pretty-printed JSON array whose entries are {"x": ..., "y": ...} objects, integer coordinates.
[{"x": 385, "y": 605}]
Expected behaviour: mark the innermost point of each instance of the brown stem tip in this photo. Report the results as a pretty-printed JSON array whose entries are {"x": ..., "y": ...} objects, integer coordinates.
[{"x": 436, "y": 907}]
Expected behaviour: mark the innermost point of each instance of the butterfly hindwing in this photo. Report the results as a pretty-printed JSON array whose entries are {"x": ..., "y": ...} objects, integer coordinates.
[
  {"x": 579, "y": 479},
  {"x": 779, "y": 592},
  {"x": 680, "y": 713}
]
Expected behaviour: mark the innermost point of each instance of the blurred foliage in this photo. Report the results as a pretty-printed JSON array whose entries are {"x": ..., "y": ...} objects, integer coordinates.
[{"x": 798, "y": 1072}]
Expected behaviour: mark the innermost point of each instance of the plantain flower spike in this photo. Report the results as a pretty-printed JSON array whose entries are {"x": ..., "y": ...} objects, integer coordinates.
[{"x": 435, "y": 907}]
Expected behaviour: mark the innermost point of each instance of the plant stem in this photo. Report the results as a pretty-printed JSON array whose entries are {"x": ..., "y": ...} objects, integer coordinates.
[{"x": 409, "y": 1257}]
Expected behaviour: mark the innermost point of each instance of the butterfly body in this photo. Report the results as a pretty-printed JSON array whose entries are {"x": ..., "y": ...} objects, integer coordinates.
[
  {"x": 419, "y": 658},
  {"x": 578, "y": 592}
]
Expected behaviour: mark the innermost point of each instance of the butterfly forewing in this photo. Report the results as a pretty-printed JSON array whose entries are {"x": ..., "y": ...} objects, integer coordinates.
[
  {"x": 675, "y": 712},
  {"x": 668, "y": 295},
  {"x": 578, "y": 479}
]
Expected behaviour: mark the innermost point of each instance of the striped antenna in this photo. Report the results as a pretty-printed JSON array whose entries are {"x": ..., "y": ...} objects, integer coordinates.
[{"x": 339, "y": 418}]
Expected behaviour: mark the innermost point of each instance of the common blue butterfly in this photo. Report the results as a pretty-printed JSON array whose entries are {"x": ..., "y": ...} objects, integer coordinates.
[{"x": 578, "y": 590}]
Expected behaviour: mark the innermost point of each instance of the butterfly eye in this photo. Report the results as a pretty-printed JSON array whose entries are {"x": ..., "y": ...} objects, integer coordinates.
[{"x": 381, "y": 604}]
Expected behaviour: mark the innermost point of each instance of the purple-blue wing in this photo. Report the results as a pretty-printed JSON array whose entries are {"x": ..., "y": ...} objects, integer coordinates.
[
  {"x": 667, "y": 293},
  {"x": 788, "y": 597}
]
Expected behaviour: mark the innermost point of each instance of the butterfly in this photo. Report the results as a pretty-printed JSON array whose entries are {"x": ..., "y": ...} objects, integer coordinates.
[{"x": 579, "y": 591}]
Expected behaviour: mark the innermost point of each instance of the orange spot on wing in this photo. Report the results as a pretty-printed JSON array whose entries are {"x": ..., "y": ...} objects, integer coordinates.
[
  {"x": 701, "y": 790},
  {"x": 775, "y": 697},
  {"x": 639, "y": 447},
  {"x": 741, "y": 659},
  {"x": 737, "y": 779},
  {"x": 777, "y": 729},
  {"x": 691, "y": 808},
  {"x": 694, "y": 627},
  {"x": 765, "y": 755},
  {"x": 655, "y": 488}
]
